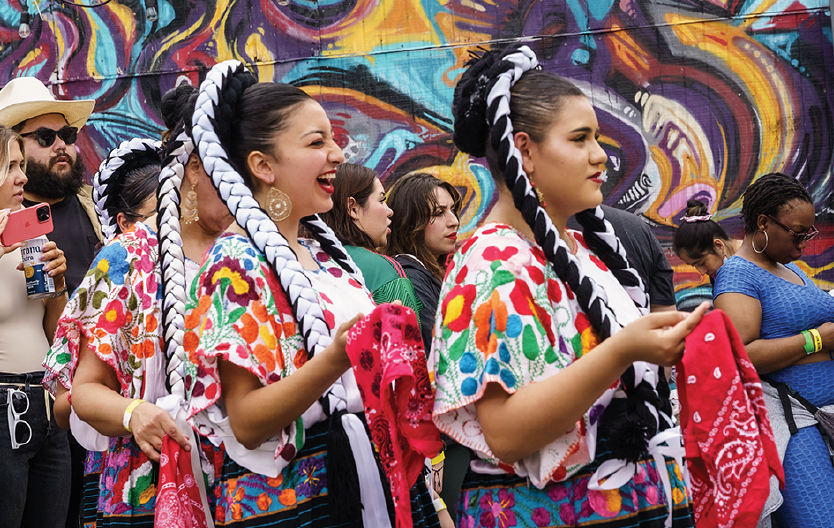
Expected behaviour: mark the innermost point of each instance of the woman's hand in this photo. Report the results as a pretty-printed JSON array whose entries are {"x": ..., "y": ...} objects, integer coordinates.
[
  {"x": 150, "y": 424},
  {"x": 336, "y": 349},
  {"x": 658, "y": 338},
  {"x": 56, "y": 263},
  {"x": 4, "y": 219},
  {"x": 827, "y": 334}
]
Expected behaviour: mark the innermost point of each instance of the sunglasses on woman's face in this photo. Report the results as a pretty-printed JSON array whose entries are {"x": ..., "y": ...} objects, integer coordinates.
[
  {"x": 46, "y": 136},
  {"x": 19, "y": 429},
  {"x": 798, "y": 238}
]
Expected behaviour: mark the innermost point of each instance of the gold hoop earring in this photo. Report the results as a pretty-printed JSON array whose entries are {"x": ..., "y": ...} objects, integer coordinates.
[
  {"x": 190, "y": 213},
  {"x": 278, "y": 205},
  {"x": 753, "y": 242}
]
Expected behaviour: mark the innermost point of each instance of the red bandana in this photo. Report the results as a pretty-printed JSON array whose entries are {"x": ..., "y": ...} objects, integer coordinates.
[
  {"x": 178, "y": 503},
  {"x": 386, "y": 352},
  {"x": 730, "y": 450}
]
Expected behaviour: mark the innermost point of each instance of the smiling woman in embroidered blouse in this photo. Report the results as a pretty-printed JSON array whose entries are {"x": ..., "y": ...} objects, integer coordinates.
[
  {"x": 527, "y": 352},
  {"x": 268, "y": 373}
]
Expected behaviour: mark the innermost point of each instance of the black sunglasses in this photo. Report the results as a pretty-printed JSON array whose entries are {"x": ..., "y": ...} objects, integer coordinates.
[
  {"x": 797, "y": 237},
  {"x": 46, "y": 136}
]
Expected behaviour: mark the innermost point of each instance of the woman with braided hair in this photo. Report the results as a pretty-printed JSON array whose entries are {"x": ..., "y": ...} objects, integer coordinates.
[
  {"x": 106, "y": 351},
  {"x": 268, "y": 315},
  {"x": 787, "y": 326},
  {"x": 112, "y": 333},
  {"x": 544, "y": 366}
]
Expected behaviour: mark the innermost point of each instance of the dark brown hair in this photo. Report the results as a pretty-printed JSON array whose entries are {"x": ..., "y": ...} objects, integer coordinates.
[
  {"x": 413, "y": 201},
  {"x": 351, "y": 181},
  {"x": 262, "y": 113},
  {"x": 696, "y": 238}
]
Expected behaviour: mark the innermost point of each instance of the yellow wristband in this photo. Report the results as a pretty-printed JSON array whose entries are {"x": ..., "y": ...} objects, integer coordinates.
[
  {"x": 129, "y": 412},
  {"x": 817, "y": 339},
  {"x": 439, "y": 458},
  {"x": 439, "y": 505}
]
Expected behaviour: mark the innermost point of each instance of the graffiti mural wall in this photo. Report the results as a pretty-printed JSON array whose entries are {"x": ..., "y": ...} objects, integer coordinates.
[{"x": 696, "y": 98}]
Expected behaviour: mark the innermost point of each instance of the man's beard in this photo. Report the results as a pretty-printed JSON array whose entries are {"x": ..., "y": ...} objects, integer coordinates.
[{"x": 45, "y": 183}]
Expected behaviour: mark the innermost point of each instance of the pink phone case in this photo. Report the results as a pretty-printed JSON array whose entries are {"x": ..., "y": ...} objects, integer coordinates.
[{"x": 24, "y": 224}]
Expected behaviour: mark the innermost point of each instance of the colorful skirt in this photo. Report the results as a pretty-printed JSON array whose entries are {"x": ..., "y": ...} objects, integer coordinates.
[
  {"x": 299, "y": 495},
  {"x": 500, "y": 501},
  {"x": 120, "y": 484}
]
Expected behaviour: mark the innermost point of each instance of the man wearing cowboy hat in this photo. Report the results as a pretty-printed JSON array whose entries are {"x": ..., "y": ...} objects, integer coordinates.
[
  {"x": 56, "y": 176},
  {"x": 56, "y": 173}
]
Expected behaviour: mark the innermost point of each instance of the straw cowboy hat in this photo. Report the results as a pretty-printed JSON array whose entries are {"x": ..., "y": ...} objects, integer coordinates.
[{"x": 26, "y": 97}]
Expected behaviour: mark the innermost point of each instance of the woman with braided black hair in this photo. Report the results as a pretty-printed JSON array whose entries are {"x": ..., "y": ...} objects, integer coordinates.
[
  {"x": 544, "y": 366},
  {"x": 107, "y": 347},
  {"x": 787, "y": 326},
  {"x": 111, "y": 333},
  {"x": 268, "y": 315}
]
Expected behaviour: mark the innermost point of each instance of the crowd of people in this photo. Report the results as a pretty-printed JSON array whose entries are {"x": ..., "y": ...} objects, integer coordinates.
[{"x": 197, "y": 364}]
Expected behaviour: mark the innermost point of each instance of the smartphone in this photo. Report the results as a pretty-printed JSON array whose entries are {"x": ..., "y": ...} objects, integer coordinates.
[{"x": 26, "y": 223}]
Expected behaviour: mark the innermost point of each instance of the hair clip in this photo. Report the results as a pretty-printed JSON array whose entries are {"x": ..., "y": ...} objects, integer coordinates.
[{"x": 691, "y": 219}]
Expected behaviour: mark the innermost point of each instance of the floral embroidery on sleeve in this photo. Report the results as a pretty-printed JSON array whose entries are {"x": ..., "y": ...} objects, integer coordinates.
[
  {"x": 115, "y": 309},
  {"x": 504, "y": 317}
]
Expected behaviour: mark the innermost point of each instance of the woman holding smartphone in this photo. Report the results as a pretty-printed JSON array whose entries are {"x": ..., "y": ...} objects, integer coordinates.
[{"x": 34, "y": 453}]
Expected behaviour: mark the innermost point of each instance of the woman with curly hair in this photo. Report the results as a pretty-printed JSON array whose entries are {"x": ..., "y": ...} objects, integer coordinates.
[{"x": 426, "y": 213}]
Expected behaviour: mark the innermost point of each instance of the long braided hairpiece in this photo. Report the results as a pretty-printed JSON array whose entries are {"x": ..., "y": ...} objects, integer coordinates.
[
  {"x": 171, "y": 256},
  {"x": 107, "y": 183},
  {"x": 215, "y": 110},
  {"x": 495, "y": 76}
]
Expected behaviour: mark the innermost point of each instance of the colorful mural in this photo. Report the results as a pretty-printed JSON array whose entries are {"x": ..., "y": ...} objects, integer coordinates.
[{"x": 696, "y": 98}]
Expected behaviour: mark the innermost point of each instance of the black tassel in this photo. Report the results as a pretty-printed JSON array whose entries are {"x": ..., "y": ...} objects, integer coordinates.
[{"x": 342, "y": 476}]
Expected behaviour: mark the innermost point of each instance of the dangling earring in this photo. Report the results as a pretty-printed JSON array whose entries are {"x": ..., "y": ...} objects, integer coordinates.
[
  {"x": 190, "y": 213},
  {"x": 753, "y": 242},
  {"x": 278, "y": 205},
  {"x": 539, "y": 194}
]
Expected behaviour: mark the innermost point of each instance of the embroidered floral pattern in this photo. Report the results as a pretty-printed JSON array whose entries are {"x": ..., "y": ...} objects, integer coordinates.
[
  {"x": 570, "y": 503},
  {"x": 504, "y": 318},
  {"x": 237, "y": 311},
  {"x": 115, "y": 308}
]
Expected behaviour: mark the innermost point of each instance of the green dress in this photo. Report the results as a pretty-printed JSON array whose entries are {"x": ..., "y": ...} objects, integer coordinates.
[{"x": 385, "y": 278}]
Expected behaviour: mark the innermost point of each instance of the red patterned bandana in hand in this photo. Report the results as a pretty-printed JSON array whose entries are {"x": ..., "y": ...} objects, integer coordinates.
[
  {"x": 730, "y": 450},
  {"x": 386, "y": 352},
  {"x": 178, "y": 503}
]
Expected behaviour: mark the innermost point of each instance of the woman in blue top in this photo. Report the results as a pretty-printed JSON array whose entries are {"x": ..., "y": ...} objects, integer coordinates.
[{"x": 774, "y": 306}]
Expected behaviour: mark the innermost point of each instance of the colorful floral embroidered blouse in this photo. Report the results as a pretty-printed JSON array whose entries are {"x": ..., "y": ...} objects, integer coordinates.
[
  {"x": 115, "y": 307},
  {"x": 505, "y": 317},
  {"x": 237, "y": 311}
]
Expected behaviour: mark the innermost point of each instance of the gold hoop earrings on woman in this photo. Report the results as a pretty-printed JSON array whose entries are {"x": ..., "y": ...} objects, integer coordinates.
[
  {"x": 190, "y": 213},
  {"x": 278, "y": 205},
  {"x": 753, "y": 242}
]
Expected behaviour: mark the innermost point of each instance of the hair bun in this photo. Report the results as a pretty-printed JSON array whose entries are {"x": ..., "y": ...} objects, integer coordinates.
[
  {"x": 469, "y": 106},
  {"x": 696, "y": 207},
  {"x": 175, "y": 103}
]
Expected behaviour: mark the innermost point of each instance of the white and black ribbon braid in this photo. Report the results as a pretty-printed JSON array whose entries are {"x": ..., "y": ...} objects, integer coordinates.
[
  {"x": 332, "y": 245},
  {"x": 103, "y": 179},
  {"x": 172, "y": 259},
  {"x": 592, "y": 298},
  {"x": 640, "y": 380},
  {"x": 600, "y": 235},
  {"x": 248, "y": 213}
]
